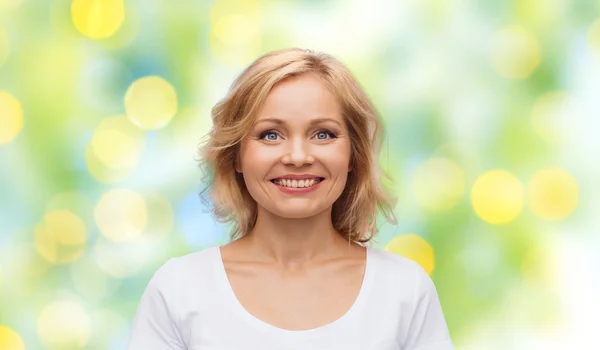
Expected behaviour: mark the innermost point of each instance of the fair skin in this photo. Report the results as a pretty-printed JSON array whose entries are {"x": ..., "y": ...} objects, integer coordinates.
[{"x": 293, "y": 270}]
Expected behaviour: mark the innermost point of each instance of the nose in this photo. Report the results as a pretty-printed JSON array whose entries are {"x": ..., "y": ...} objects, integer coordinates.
[{"x": 298, "y": 154}]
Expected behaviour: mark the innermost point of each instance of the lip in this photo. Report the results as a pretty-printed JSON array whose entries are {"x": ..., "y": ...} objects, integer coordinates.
[
  {"x": 298, "y": 190},
  {"x": 297, "y": 177}
]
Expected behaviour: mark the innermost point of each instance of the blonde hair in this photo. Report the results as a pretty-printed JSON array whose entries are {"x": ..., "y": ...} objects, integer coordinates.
[{"x": 354, "y": 213}]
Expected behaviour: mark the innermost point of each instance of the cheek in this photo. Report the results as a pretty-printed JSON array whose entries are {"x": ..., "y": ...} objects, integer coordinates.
[
  {"x": 338, "y": 158},
  {"x": 255, "y": 160}
]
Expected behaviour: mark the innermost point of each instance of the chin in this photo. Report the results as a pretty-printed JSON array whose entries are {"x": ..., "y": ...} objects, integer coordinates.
[{"x": 296, "y": 212}]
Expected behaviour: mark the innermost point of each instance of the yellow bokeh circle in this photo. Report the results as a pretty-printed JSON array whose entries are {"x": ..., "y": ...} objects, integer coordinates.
[
  {"x": 63, "y": 325},
  {"x": 235, "y": 36},
  {"x": 61, "y": 237},
  {"x": 103, "y": 173},
  {"x": 415, "y": 248},
  {"x": 497, "y": 196},
  {"x": 11, "y": 117},
  {"x": 553, "y": 194},
  {"x": 98, "y": 19},
  {"x": 515, "y": 52},
  {"x": 235, "y": 29},
  {"x": 151, "y": 102},
  {"x": 121, "y": 215},
  {"x": 10, "y": 340},
  {"x": 118, "y": 143},
  {"x": 115, "y": 150},
  {"x": 438, "y": 184}
]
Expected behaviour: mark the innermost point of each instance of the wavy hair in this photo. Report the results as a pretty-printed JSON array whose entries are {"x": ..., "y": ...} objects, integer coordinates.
[{"x": 355, "y": 212}]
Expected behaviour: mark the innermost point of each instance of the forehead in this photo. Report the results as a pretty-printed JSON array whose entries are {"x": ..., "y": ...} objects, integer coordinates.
[{"x": 303, "y": 96}]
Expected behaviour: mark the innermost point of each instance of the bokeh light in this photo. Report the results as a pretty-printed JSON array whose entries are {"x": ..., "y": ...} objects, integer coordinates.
[
  {"x": 552, "y": 194},
  {"x": 98, "y": 19},
  {"x": 10, "y": 340},
  {"x": 61, "y": 237},
  {"x": 438, "y": 184},
  {"x": 497, "y": 196},
  {"x": 122, "y": 259},
  {"x": 515, "y": 52},
  {"x": 115, "y": 149},
  {"x": 151, "y": 102},
  {"x": 64, "y": 324},
  {"x": 104, "y": 104},
  {"x": 121, "y": 215},
  {"x": 11, "y": 117},
  {"x": 543, "y": 14},
  {"x": 415, "y": 248},
  {"x": 235, "y": 31}
]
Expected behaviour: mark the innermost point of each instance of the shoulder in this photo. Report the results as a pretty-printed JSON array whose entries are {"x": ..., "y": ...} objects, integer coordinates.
[
  {"x": 395, "y": 264},
  {"x": 179, "y": 270},
  {"x": 197, "y": 260},
  {"x": 396, "y": 271}
]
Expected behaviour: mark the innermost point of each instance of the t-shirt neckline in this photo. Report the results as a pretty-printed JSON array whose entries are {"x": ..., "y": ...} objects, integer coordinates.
[{"x": 254, "y": 321}]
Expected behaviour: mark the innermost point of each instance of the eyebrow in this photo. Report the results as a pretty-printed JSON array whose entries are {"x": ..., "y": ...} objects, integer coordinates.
[{"x": 312, "y": 122}]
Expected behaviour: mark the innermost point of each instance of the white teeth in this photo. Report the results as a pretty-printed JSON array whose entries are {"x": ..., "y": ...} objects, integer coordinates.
[{"x": 296, "y": 183}]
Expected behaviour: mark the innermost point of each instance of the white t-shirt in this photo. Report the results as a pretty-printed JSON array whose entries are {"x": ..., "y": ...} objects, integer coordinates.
[{"x": 189, "y": 304}]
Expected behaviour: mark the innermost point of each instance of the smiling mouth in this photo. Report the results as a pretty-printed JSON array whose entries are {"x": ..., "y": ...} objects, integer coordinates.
[{"x": 297, "y": 183}]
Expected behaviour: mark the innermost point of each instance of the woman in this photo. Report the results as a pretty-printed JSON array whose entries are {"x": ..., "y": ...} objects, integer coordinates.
[{"x": 293, "y": 155}]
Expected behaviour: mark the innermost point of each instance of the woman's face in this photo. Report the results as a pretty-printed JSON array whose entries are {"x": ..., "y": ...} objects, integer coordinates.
[{"x": 296, "y": 160}]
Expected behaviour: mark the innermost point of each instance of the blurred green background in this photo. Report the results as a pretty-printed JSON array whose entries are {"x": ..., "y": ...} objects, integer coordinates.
[{"x": 493, "y": 139}]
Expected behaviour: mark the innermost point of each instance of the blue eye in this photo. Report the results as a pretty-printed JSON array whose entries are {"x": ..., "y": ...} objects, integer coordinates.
[
  {"x": 324, "y": 135},
  {"x": 269, "y": 136}
]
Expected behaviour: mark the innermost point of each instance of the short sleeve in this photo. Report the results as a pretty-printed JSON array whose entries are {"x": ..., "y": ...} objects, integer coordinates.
[
  {"x": 428, "y": 329},
  {"x": 153, "y": 326}
]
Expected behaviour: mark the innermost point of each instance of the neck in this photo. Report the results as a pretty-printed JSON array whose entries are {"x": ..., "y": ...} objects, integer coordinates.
[{"x": 293, "y": 243}]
